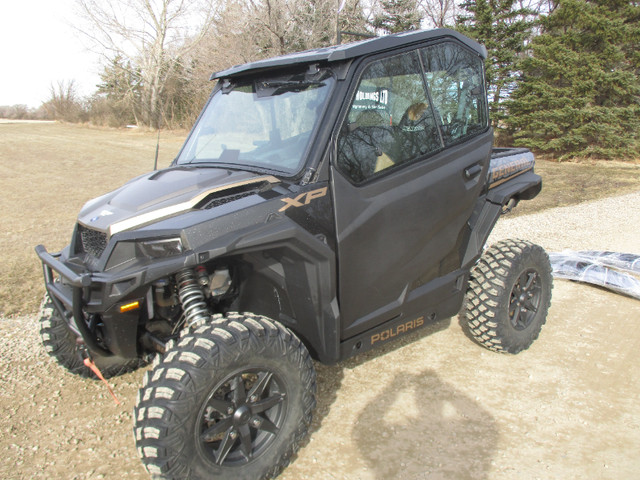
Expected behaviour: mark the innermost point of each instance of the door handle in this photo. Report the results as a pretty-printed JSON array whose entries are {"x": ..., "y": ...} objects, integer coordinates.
[{"x": 472, "y": 171}]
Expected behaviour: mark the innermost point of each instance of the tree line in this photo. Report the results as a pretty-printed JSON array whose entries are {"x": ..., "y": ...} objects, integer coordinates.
[{"x": 562, "y": 75}]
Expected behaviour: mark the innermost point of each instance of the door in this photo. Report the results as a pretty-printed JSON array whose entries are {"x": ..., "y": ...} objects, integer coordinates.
[{"x": 412, "y": 154}]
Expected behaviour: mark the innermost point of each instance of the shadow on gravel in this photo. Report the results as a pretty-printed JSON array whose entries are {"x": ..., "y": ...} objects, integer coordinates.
[
  {"x": 329, "y": 377},
  {"x": 421, "y": 427}
]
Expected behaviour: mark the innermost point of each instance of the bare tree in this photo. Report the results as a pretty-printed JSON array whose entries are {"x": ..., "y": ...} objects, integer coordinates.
[
  {"x": 283, "y": 26},
  {"x": 64, "y": 102},
  {"x": 152, "y": 35},
  {"x": 247, "y": 30},
  {"x": 439, "y": 13}
]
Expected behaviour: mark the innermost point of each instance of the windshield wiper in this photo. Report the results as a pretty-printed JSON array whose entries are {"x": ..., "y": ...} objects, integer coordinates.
[
  {"x": 292, "y": 83},
  {"x": 278, "y": 87}
]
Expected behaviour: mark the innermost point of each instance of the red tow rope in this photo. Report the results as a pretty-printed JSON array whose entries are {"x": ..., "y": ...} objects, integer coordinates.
[{"x": 89, "y": 363}]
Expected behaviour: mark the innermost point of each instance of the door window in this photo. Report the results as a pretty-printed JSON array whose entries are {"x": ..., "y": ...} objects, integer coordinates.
[
  {"x": 390, "y": 121},
  {"x": 455, "y": 79}
]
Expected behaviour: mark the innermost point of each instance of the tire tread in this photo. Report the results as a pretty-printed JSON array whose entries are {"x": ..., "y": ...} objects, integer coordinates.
[
  {"x": 489, "y": 288},
  {"x": 223, "y": 340}
]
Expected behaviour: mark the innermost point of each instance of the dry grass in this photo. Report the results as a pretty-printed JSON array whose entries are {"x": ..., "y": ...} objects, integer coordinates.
[
  {"x": 571, "y": 183},
  {"x": 49, "y": 171}
]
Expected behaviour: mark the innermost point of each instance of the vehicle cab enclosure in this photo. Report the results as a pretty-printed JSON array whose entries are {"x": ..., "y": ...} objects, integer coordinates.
[{"x": 345, "y": 192}]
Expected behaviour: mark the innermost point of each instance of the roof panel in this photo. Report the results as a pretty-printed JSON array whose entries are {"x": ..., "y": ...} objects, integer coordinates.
[{"x": 350, "y": 50}]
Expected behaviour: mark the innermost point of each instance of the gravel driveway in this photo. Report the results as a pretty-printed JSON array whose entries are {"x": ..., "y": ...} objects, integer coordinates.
[{"x": 432, "y": 405}]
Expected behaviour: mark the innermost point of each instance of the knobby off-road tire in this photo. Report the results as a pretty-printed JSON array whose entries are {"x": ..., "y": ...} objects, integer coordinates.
[
  {"x": 232, "y": 398},
  {"x": 509, "y": 296},
  {"x": 63, "y": 345}
]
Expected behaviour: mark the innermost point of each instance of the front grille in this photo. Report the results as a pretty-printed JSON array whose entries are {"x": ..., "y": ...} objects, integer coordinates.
[{"x": 92, "y": 242}]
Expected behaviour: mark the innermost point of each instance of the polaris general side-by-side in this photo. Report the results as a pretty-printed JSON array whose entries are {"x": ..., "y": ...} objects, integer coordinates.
[{"x": 325, "y": 203}]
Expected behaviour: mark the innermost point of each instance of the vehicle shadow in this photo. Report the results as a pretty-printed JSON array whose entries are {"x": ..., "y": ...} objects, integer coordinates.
[
  {"x": 421, "y": 427},
  {"x": 329, "y": 377}
]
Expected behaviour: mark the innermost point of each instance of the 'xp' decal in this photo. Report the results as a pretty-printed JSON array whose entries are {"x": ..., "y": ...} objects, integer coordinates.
[{"x": 303, "y": 199}]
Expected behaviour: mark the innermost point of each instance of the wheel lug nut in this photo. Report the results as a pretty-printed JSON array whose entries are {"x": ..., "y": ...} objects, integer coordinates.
[
  {"x": 229, "y": 411},
  {"x": 256, "y": 422},
  {"x": 233, "y": 435},
  {"x": 253, "y": 398}
]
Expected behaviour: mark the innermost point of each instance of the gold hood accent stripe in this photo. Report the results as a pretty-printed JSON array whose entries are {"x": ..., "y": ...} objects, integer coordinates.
[{"x": 166, "y": 212}]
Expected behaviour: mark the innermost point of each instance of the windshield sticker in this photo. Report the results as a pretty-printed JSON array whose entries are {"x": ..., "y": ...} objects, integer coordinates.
[{"x": 371, "y": 98}]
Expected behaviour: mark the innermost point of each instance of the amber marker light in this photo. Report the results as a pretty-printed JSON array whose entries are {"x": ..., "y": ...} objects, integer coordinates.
[{"x": 129, "y": 306}]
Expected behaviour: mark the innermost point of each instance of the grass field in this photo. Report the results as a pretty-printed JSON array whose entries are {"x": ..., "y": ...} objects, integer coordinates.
[{"x": 49, "y": 171}]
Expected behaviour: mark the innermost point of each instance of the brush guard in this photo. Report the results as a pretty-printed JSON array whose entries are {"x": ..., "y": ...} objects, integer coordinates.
[{"x": 61, "y": 296}]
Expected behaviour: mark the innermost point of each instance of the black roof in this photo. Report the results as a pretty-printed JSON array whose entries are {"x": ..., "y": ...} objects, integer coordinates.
[{"x": 350, "y": 50}]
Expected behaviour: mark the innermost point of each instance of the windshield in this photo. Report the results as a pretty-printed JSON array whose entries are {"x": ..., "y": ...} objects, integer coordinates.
[{"x": 265, "y": 123}]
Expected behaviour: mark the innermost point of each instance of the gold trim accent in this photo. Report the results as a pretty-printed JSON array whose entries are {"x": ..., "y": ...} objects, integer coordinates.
[
  {"x": 501, "y": 181},
  {"x": 180, "y": 207}
]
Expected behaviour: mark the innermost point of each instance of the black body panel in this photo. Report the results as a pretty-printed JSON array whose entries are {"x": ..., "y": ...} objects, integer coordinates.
[{"x": 400, "y": 233}]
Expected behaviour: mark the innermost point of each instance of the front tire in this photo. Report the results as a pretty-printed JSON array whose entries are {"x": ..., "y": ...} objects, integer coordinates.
[
  {"x": 231, "y": 399},
  {"x": 509, "y": 296}
]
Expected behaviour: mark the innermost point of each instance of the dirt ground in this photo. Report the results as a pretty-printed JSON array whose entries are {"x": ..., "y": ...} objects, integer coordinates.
[{"x": 432, "y": 405}]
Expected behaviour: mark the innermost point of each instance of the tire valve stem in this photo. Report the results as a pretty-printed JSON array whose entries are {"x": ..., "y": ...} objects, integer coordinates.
[{"x": 94, "y": 368}]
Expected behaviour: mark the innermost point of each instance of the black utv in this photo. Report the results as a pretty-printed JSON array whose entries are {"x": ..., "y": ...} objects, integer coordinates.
[{"x": 343, "y": 196}]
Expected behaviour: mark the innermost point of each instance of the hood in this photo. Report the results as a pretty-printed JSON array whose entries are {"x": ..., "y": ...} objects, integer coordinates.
[{"x": 162, "y": 194}]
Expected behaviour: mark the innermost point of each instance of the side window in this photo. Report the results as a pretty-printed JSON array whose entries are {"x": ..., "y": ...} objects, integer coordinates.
[
  {"x": 455, "y": 80},
  {"x": 390, "y": 120}
]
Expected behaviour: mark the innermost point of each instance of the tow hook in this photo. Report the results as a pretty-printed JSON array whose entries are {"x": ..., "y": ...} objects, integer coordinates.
[{"x": 88, "y": 362}]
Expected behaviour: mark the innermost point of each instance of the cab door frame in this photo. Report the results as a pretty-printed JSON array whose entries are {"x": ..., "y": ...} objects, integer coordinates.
[{"x": 401, "y": 235}]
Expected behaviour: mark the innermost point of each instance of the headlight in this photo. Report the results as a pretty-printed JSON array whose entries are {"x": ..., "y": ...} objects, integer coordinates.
[
  {"x": 128, "y": 251},
  {"x": 160, "y": 248}
]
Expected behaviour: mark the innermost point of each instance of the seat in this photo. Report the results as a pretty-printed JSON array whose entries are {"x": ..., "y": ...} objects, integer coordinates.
[
  {"x": 416, "y": 133},
  {"x": 364, "y": 149}
]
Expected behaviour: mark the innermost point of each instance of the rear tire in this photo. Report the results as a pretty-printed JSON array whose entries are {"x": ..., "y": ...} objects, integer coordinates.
[
  {"x": 509, "y": 296},
  {"x": 67, "y": 349},
  {"x": 231, "y": 399}
]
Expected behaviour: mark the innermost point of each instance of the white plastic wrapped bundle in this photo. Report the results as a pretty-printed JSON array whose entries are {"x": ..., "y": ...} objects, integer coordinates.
[{"x": 612, "y": 270}]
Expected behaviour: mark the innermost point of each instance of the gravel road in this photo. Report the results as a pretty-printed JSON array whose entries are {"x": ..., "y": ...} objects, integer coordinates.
[{"x": 432, "y": 405}]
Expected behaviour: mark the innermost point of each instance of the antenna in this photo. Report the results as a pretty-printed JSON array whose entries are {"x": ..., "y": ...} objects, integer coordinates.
[{"x": 155, "y": 163}]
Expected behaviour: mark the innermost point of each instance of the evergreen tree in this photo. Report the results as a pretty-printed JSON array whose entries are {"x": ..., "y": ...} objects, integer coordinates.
[
  {"x": 117, "y": 101},
  {"x": 504, "y": 29},
  {"x": 397, "y": 16},
  {"x": 579, "y": 95}
]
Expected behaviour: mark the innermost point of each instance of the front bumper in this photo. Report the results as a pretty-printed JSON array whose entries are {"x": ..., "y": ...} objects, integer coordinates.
[
  {"x": 67, "y": 294},
  {"x": 76, "y": 294}
]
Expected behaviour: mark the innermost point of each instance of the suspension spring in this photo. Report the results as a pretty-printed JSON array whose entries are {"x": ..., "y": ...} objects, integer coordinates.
[{"x": 191, "y": 297}]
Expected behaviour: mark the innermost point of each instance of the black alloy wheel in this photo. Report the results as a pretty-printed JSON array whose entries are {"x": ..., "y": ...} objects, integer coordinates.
[
  {"x": 525, "y": 299},
  {"x": 242, "y": 416}
]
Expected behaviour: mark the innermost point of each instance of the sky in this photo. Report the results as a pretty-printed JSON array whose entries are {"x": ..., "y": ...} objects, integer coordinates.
[{"x": 38, "y": 48}]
